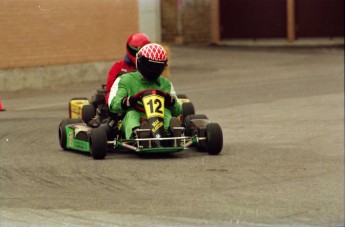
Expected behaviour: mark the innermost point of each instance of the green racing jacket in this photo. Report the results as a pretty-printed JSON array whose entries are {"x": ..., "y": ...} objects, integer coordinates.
[{"x": 130, "y": 84}]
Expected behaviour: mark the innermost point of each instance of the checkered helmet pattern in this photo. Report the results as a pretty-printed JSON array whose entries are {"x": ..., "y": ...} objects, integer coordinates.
[
  {"x": 153, "y": 52},
  {"x": 151, "y": 61}
]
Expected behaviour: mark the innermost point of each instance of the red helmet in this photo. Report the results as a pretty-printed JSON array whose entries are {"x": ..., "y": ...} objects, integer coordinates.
[
  {"x": 134, "y": 43},
  {"x": 151, "y": 61}
]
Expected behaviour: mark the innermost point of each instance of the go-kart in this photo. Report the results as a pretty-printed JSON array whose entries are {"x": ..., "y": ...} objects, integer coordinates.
[{"x": 197, "y": 130}]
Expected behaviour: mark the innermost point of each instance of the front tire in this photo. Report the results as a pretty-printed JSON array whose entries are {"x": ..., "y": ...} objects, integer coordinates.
[
  {"x": 98, "y": 143},
  {"x": 214, "y": 136}
]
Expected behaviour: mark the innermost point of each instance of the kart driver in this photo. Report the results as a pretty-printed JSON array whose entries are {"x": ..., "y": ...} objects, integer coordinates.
[
  {"x": 134, "y": 43},
  {"x": 151, "y": 61}
]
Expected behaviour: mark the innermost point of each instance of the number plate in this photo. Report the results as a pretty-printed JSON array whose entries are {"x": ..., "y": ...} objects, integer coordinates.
[{"x": 154, "y": 106}]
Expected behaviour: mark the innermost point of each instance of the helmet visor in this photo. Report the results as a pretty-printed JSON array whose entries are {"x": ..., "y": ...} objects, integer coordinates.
[
  {"x": 151, "y": 70},
  {"x": 132, "y": 50}
]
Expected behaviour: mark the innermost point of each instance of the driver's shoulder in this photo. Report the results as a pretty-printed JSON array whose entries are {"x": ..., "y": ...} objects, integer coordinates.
[
  {"x": 164, "y": 81},
  {"x": 129, "y": 75}
]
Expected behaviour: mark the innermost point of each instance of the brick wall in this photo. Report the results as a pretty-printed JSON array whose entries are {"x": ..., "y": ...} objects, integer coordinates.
[
  {"x": 49, "y": 32},
  {"x": 195, "y": 20}
]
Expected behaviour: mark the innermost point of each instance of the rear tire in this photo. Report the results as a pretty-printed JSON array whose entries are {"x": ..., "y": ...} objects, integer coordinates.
[
  {"x": 88, "y": 112},
  {"x": 62, "y": 131},
  {"x": 187, "y": 109},
  {"x": 214, "y": 136},
  {"x": 182, "y": 96},
  {"x": 98, "y": 143}
]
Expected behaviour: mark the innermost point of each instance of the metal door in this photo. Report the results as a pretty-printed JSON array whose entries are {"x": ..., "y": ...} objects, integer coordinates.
[{"x": 252, "y": 19}]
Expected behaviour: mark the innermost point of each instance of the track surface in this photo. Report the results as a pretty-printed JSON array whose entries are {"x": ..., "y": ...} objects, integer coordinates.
[{"x": 282, "y": 115}]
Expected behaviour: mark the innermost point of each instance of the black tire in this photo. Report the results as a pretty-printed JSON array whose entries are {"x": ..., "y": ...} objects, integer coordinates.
[
  {"x": 214, "y": 143},
  {"x": 187, "y": 120},
  {"x": 88, "y": 112},
  {"x": 187, "y": 109},
  {"x": 98, "y": 143},
  {"x": 182, "y": 96},
  {"x": 62, "y": 131}
]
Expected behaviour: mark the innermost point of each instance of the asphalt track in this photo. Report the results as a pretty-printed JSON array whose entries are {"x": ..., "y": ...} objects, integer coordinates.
[{"x": 282, "y": 115}]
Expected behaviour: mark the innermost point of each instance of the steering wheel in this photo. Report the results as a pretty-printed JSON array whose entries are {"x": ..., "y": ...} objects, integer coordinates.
[{"x": 138, "y": 96}]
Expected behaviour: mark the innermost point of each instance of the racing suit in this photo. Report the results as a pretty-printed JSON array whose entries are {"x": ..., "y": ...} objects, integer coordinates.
[
  {"x": 116, "y": 70},
  {"x": 130, "y": 84}
]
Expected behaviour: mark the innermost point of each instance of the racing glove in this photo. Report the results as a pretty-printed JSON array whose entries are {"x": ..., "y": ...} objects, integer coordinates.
[
  {"x": 128, "y": 102},
  {"x": 169, "y": 100}
]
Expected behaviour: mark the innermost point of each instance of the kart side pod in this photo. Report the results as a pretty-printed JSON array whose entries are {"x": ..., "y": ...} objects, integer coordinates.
[{"x": 198, "y": 126}]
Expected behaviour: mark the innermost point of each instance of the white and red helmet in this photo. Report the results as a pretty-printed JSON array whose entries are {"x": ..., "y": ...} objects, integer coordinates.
[
  {"x": 134, "y": 43},
  {"x": 151, "y": 61}
]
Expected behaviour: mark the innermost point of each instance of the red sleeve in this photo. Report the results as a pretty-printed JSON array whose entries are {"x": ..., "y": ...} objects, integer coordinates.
[
  {"x": 113, "y": 72},
  {"x": 117, "y": 69}
]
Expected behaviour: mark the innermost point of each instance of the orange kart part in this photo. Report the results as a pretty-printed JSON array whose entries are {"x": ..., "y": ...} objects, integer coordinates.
[{"x": 1, "y": 107}]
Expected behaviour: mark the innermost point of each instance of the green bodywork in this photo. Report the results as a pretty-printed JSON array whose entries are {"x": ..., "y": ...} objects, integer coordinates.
[
  {"x": 75, "y": 144},
  {"x": 84, "y": 146}
]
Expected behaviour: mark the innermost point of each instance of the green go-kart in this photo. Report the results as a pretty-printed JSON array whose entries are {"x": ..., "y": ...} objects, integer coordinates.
[{"x": 191, "y": 130}]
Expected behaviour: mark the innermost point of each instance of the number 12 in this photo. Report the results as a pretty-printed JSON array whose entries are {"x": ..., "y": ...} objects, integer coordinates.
[{"x": 158, "y": 106}]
